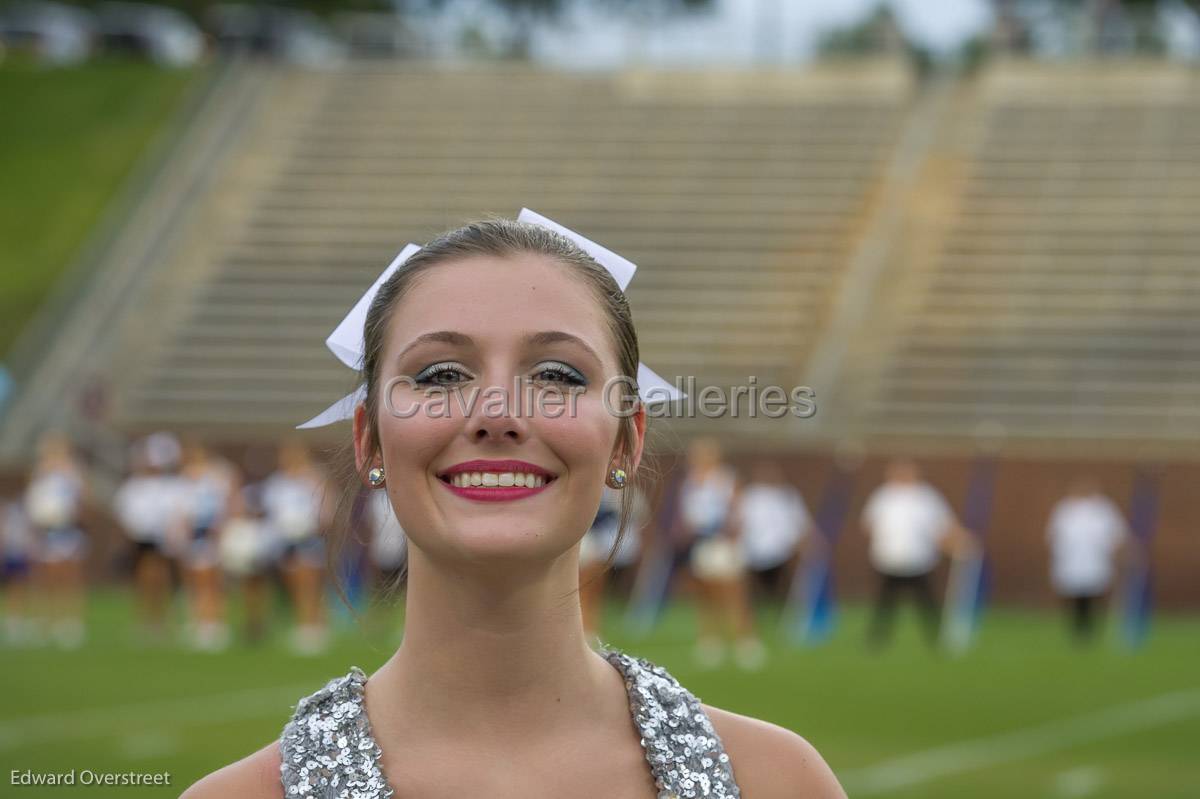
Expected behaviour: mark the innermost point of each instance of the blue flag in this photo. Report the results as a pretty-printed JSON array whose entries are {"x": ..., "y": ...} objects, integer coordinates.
[
  {"x": 969, "y": 577},
  {"x": 1136, "y": 591},
  {"x": 810, "y": 610}
]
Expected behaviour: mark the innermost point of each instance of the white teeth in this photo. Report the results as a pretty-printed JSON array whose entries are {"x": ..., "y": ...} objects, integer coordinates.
[{"x": 497, "y": 479}]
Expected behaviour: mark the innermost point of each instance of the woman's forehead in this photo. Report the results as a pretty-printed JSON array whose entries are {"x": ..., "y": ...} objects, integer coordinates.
[{"x": 503, "y": 297}]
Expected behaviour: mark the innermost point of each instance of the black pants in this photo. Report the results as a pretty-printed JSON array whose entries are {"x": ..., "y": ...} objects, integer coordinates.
[
  {"x": 766, "y": 585},
  {"x": 920, "y": 589},
  {"x": 1081, "y": 616}
]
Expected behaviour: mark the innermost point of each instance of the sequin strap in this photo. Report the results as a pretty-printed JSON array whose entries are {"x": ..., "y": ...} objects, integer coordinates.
[
  {"x": 685, "y": 753},
  {"x": 327, "y": 750}
]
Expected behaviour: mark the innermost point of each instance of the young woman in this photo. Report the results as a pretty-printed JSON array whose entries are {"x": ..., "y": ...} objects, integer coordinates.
[
  {"x": 707, "y": 498},
  {"x": 296, "y": 501},
  {"x": 210, "y": 489},
  {"x": 53, "y": 501},
  {"x": 1087, "y": 534},
  {"x": 247, "y": 550},
  {"x": 494, "y": 688},
  {"x": 776, "y": 528},
  {"x": 148, "y": 505}
]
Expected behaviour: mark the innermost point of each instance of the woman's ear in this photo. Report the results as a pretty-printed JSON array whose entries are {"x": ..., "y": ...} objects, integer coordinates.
[
  {"x": 362, "y": 439},
  {"x": 637, "y": 446}
]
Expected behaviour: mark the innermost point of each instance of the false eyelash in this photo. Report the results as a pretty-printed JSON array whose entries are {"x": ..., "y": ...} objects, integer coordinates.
[
  {"x": 446, "y": 366},
  {"x": 425, "y": 376},
  {"x": 573, "y": 376}
]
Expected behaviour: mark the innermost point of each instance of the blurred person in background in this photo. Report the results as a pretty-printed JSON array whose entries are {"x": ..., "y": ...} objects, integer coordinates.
[
  {"x": 296, "y": 503},
  {"x": 775, "y": 526},
  {"x": 909, "y": 523},
  {"x": 149, "y": 506},
  {"x": 387, "y": 550},
  {"x": 594, "y": 549},
  {"x": 708, "y": 493},
  {"x": 1086, "y": 534},
  {"x": 16, "y": 571},
  {"x": 629, "y": 549},
  {"x": 596, "y": 570},
  {"x": 210, "y": 488},
  {"x": 247, "y": 548},
  {"x": 53, "y": 500}
]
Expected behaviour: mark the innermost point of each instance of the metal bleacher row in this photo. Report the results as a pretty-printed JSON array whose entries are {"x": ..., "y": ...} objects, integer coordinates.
[
  {"x": 1062, "y": 303},
  {"x": 1041, "y": 281},
  {"x": 736, "y": 195}
]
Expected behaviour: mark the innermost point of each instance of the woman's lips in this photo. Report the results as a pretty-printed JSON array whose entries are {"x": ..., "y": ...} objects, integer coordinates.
[{"x": 495, "y": 494}]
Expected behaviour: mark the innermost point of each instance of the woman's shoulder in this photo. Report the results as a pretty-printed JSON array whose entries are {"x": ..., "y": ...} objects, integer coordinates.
[
  {"x": 772, "y": 762},
  {"x": 255, "y": 776},
  {"x": 767, "y": 761}
]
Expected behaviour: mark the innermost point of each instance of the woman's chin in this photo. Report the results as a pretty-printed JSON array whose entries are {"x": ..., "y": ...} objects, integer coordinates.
[{"x": 493, "y": 542}]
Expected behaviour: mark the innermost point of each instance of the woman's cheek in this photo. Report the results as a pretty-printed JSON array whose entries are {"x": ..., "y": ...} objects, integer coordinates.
[{"x": 582, "y": 422}]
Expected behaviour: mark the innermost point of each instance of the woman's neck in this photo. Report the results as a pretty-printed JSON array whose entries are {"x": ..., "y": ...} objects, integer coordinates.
[{"x": 486, "y": 657}]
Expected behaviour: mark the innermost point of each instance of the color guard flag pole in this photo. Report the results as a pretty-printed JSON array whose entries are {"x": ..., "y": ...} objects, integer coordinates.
[{"x": 966, "y": 588}]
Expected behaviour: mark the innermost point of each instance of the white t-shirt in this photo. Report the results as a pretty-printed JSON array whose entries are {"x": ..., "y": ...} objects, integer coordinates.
[
  {"x": 293, "y": 505},
  {"x": 1083, "y": 534},
  {"x": 148, "y": 505},
  {"x": 906, "y": 522},
  {"x": 52, "y": 499},
  {"x": 705, "y": 502},
  {"x": 773, "y": 519},
  {"x": 206, "y": 496}
]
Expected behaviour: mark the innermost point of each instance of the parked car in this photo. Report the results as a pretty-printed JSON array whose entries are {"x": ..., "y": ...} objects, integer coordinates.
[
  {"x": 52, "y": 32},
  {"x": 164, "y": 35},
  {"x": 274, "y": 31}
]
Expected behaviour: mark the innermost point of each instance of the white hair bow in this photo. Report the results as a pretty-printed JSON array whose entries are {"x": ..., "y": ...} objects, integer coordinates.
[{"x": 346, "y": 341}]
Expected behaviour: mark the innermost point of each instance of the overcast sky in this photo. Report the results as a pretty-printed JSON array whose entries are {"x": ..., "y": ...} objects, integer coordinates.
[
  {"x": 738, "y": 31},
  {"x": 741, "y": 32}
]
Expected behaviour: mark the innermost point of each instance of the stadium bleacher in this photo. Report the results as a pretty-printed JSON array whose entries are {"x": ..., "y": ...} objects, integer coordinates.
[
  {"x": 1003, "y": 261},
  {"x": 1060, "y": 304},
  {"x": 739, "y": 210}
]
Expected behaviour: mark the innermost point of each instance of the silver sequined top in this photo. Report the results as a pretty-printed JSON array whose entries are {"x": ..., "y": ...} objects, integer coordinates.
[{"x": 328, "y": 751}]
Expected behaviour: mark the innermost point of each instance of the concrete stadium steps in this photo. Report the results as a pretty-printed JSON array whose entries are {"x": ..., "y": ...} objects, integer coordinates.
[
  {"x": 737, "y": 195},
  {"x": 1064, "y": 300}
]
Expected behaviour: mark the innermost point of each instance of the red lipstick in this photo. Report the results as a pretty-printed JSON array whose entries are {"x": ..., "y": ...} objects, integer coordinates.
[{"x": 496, "y": 493}]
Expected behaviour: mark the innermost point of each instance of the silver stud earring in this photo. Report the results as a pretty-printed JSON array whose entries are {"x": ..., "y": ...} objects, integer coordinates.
[
  {"x": 375, "y": 477},
  {"x": 616, "y": 478}
]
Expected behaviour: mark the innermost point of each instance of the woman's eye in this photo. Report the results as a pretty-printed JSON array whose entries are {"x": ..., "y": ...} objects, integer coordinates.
[
  {"x": 560, "y": 373},
  {"x": 444, "y": 374},
  {"x": 436, "y": 373}
]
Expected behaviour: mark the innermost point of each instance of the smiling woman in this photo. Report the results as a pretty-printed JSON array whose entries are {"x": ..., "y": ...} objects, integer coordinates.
[{"x": 494, "y": 688}]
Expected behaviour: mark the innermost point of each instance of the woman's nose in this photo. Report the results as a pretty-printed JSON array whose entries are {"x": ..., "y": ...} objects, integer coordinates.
[{"x": 499, "y": 412}]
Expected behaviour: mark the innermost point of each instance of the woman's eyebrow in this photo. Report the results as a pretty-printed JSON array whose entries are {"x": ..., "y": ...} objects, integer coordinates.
[
  {"x": 555, "y": 336},
  {"x": 533, "y": 339},
  {"x": 439, "y": 336}
]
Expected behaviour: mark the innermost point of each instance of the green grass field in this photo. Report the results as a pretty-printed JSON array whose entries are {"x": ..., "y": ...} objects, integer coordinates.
[
  {"x": 1028, "y": 714},
  {"x": 67, "y": 140}
]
